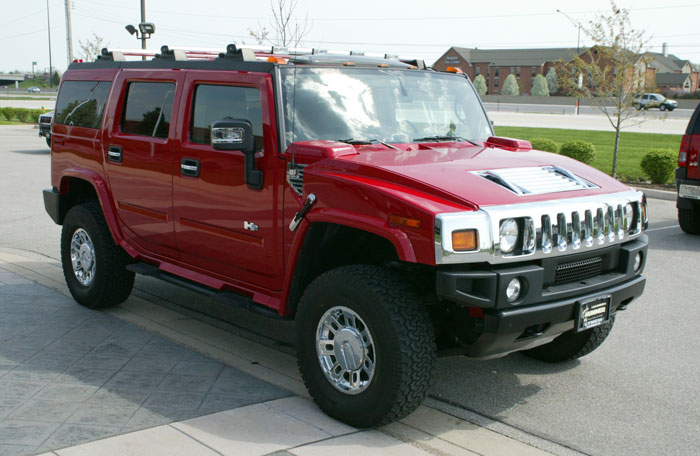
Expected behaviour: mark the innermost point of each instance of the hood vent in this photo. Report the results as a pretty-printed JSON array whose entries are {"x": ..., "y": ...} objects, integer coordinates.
[{"x": 536, "y": 180}]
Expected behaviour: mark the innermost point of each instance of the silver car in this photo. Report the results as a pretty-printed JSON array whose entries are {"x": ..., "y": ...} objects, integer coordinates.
[{"x": 654, "y": 100}]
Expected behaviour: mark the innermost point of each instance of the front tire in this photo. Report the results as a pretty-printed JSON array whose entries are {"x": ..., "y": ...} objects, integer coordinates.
[
  {"x": 571, "y": 345},
  {"x": 689, "y": 220},
  {"x": 365, "y": 345},
  {"x": 93, "y": 266}
]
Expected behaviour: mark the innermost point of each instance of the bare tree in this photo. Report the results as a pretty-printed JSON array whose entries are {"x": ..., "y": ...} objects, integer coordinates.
[
  {"x": 610, "y": 72},
  {"x": 92, "y": 47},
  {"x": 286, "y": 28}
]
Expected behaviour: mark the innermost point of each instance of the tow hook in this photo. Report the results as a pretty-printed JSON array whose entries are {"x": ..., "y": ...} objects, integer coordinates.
[{"x": 299, "y": 216}]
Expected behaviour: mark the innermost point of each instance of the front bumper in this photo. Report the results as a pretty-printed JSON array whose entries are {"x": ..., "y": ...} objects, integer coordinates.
[{"x": 544, "y": 310}]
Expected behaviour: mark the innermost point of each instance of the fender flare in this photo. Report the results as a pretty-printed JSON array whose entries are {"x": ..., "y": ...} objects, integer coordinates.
[
  {"x": 103, "y": 196},
  {"x": 402, "y": 244}
]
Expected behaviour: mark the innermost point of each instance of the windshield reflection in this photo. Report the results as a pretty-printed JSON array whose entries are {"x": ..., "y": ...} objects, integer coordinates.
[{"x": 394, "y": 106}]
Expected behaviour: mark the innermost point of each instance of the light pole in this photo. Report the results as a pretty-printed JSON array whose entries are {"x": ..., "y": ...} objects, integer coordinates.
[
  {"x": 48, "y": 20},
  {"x": 146, "y": 28},
  {"x": 578, "y": 48}
]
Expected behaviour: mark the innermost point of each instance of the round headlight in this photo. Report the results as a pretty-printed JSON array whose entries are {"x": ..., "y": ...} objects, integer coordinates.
[
  {"x": 513, "y": 290},
  {"x": 637, "y": 261},
  {"x": 508, "y": 235}
]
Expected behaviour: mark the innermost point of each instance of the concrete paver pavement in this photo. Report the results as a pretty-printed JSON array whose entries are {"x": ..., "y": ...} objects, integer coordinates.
[{"x": 153, "y": 381}]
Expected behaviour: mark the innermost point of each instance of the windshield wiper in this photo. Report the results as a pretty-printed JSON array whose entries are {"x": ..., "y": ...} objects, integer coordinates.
[
  {"x": 445, "y": 138},
  {"x": 354, "y": 141}
]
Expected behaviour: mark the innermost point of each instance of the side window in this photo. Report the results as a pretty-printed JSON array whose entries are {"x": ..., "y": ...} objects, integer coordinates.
[
  {"x": 148, "y": 108},
  {"x": 82, "y": 103},
  {"x": 216, "y": 102}
]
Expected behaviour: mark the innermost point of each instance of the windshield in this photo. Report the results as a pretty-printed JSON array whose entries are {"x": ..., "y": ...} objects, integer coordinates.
[{"x": 393, "y": 106}]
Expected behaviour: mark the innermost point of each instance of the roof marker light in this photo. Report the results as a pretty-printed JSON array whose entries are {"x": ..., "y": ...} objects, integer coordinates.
[
  {"x": 280, "y": 60},
  {"x": 454, "y": 70}
]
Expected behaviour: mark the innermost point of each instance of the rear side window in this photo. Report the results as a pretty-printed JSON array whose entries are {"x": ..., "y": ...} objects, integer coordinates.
[
  {"x": 694, "y": 125},
  {"x": 217, "y": 102},
  {"x": 82, "y": 103},
  {"x": 148, "y": 108}
]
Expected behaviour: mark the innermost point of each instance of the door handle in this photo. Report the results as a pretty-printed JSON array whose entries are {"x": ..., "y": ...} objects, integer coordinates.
[
  {"x": 114, "y": 154},
  {"x": 189, "y": 167}
]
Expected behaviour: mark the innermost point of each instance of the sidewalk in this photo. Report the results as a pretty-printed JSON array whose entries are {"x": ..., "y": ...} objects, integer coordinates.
[{"x": 143, "y": 379}]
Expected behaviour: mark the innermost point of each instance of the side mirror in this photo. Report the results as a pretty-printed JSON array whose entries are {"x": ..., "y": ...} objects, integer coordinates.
[{"x": 237, "y": 134}]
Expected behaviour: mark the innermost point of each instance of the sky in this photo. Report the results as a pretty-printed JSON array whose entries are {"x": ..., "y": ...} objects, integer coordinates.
[{"x": 417, "y": 29}]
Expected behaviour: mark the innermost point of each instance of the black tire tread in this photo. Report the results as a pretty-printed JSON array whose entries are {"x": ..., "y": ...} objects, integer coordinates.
[
  {"x": 570, "y": 345},
  {"x": 112, "y": 260},
  {"x": 416, "y": 335},
  {"x": 689, "y": 220}
]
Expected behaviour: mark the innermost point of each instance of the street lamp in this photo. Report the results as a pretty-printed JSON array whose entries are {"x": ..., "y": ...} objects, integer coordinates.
[{"x": 578, "y": 48}]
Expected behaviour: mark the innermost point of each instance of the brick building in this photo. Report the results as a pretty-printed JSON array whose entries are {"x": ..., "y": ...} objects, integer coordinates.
[
  {"x": 665, "y": 71},
  {"x": 497, "y": 64}
]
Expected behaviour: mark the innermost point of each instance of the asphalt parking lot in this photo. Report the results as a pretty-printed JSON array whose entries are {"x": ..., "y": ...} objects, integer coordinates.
[{"x": 638, "y": 394}]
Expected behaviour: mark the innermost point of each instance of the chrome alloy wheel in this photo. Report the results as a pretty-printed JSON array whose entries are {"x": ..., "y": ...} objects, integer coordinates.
[
  {"x": 345, "y": 350},
  {"x": 82, "y": 256}
]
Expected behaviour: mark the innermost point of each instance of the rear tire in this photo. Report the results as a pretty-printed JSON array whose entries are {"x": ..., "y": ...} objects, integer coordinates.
[
  {"x": 48, "y": 142},
  {"x": 395, "y": 350},
  {"x": 689, "y": 220},
  {"x": 571, "y": 345},
  {"x": 93, "y": 266},
  {"x": 662, "y": 108}
]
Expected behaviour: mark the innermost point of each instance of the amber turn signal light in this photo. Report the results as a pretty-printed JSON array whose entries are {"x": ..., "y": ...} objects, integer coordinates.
[
  {"x": 464, "y": 240},
  {"x": 397, "y": 220}
]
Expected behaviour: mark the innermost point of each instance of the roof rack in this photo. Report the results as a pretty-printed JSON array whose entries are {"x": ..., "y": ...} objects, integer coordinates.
[{"x": 241, "y": 53}]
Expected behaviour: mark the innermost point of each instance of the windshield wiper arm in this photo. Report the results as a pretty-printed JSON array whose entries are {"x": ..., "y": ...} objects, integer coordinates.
[
  {"x": 446, "y": 138},
  {"x": 354, "y": 141}
]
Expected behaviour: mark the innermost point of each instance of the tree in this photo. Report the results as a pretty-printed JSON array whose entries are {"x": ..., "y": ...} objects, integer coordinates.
[
  {"x": 480, "y": 85},
  {"x": 287, "y": 29},
  {"x": 612, "y": 70},
  {"x": 552, "y": 82},
  {"x": 540, "y": 87},
  {"x": 56, "y": 78},
  {"x": 510, "y": 86},
  {"x": 92, "y": 47}
]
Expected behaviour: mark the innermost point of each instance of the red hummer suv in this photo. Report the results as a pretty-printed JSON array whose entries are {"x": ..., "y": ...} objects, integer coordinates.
[
  {"x": 688, "y": 177},
  {"x": 367, "y": 198}
]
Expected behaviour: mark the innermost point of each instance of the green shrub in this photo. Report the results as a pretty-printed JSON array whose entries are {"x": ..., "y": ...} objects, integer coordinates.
[
  {"x": 9, "y": 113},
  {"x": 510, "y": 86},
  {"x": 659, "y": 165},
  {"x": 582, "y": 151},
  {"x": 540, "y": 87},
  {"x": 22, "y": 114},
  {"x": 34, "y": 115},
  {"x": 545, "y": 144},
  {"x": 480, "y": 85}
]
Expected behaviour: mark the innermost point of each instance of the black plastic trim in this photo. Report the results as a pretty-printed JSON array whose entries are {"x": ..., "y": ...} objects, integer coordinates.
[
  {"x": 52, "y": 204},
  {"x": 685, "y": 203}
]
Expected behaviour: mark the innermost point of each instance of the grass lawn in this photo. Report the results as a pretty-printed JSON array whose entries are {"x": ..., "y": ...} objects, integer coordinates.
[
  {"x": 7, "y": 122},
  {"x": 633, "y": 146}
]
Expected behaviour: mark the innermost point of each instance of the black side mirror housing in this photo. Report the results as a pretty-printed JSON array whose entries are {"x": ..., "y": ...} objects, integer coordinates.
[{"x": 237, "y": 134}]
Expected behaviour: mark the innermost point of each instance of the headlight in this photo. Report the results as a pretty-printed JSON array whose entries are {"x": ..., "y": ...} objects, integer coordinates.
[
  {"x": 509, "y": 232},
  {"x": 629, "y": 216}
]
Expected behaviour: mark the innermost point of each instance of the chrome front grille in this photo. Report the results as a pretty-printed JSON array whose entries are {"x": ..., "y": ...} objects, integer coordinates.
[
  {"x": 535, "y": 180},
  {"x": 549, "y": 228}
]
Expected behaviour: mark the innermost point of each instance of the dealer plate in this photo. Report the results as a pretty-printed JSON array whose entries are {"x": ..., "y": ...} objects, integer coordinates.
[
  {"x": 689, "y": 191},
  {"x": 592, "y": 313}
]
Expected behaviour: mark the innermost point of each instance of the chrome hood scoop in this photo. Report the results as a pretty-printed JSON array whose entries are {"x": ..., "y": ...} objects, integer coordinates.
[{"x": 536, "y": 180}]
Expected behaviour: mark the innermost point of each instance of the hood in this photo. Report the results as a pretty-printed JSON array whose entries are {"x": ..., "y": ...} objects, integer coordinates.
[{"x": 453, "y": 169}]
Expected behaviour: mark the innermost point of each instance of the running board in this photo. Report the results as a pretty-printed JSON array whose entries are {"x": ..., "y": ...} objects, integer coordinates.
[{"x": 228, "y": 297}]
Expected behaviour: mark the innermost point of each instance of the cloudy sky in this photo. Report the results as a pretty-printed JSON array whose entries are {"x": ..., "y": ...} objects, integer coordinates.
[{"x": 420, "y": 29}]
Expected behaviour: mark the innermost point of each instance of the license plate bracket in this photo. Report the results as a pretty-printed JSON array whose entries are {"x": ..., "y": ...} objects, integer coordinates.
[{"x": 592, "y": 312}]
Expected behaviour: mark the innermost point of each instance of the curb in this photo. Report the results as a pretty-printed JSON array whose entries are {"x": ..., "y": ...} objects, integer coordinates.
[{"x": 657, "y": 194}]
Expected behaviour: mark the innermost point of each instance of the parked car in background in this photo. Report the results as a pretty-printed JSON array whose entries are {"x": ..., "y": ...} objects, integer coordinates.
[
  {"x": 688, "y": 177},
  {"x": 45, "y": 121},
  {"x": 34, "y": 89},
  {"x": 654, "y": 100}
]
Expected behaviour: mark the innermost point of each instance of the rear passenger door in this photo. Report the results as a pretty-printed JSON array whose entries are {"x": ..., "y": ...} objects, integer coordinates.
[
  {"x": 221, "y": 224},
  {"x": 138, "y": 150}
]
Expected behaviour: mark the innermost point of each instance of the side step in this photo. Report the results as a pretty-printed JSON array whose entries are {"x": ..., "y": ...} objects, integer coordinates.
[{"x": 227, "y": 297}]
